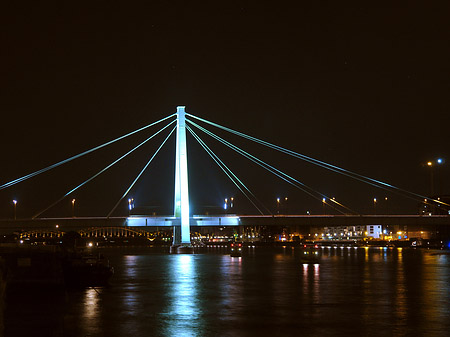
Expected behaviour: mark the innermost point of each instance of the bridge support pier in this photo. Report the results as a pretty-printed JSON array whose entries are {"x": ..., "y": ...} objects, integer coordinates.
[{"x": 181, "y": 229}]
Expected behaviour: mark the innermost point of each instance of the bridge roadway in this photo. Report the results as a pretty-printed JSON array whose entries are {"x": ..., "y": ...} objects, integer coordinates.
[{"x": 79, "y": 223}]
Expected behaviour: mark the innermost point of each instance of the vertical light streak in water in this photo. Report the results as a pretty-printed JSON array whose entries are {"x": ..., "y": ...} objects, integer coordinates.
[
  {"x": 316, "y": 267},
  {"x": 130, "y": 299},
  {"x": 91, "y": 311},
  {"x": 400, "y": 302},
  {"x": 231, "y": 288},
  {"x": 184, "y": 309},
  {"x": 311, "y": 281},
  {"x": 384, "y": 254},
  {"x": 305, "y": 278},
  {"x": 367, "y": 309}
]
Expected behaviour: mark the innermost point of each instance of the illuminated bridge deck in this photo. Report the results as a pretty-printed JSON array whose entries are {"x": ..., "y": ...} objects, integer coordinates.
[{"x": 77, "y": 223}]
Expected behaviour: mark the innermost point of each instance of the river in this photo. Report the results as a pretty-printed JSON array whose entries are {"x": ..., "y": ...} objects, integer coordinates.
[{"x": 266, "y": 292}]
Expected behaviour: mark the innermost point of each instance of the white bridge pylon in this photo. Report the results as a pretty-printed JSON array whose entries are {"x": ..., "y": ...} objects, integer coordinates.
[
  {"x": 181, "y": 220},
  {"x": 181, "y": 204}
]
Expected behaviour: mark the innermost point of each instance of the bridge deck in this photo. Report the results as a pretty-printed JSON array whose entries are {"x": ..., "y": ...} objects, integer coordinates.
[{"x": 67, "y": 224}]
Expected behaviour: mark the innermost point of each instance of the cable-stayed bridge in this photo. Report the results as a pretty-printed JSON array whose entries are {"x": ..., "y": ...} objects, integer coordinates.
[{"x": 181, "y": 221}]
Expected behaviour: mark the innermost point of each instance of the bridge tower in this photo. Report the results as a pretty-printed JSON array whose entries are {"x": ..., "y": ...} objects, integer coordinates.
[{"x": 181, "y": 230}]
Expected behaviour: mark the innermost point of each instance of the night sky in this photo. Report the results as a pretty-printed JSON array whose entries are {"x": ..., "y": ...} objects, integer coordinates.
[{"x": 365, "y": 87}]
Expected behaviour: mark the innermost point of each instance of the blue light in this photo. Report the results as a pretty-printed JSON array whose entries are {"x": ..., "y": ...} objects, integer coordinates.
[{"x": 439, "y": 161}]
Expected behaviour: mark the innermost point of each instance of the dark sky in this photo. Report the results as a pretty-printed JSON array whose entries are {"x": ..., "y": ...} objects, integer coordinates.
[{"x": 362, "y": 86}]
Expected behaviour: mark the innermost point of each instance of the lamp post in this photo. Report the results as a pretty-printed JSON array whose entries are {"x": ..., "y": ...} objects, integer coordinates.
[
  {"x": 430, "y": 165},
  {"x": 323, "y": 205},
  {"x": 73, "y": 208},
  {"x": 15, "y": 209},
  {"x": 439, "y": 163},
  {"x": 374, "y": 205},
  {"x": 278, "y": 205},
  {"x": 387, "y": 205}
]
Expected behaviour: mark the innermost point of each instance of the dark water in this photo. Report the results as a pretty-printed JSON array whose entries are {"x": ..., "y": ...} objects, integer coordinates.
[{"x": 267, "y": 292}]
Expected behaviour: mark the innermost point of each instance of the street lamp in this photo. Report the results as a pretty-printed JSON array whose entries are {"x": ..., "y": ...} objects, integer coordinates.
[
  {"x": 439, "y": 162},
  {"x": 323, "y": 205},
  {"x": 431, "y": 164},
  {"x": 278, "y": 205},
  {"x": 73, "y": 208},
  {"x": 129, "y": 207},
  {"x": 15, "y": 209},
  {"x": 387, "y": 208},
  {"x": 375, "y": 205}
]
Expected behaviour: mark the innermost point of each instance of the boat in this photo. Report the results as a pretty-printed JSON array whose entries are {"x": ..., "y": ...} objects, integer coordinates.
[
  {"x": 310, "y": 254},
  {"x": 86, "y": 270},
  {"x": 236, "y": 249}
]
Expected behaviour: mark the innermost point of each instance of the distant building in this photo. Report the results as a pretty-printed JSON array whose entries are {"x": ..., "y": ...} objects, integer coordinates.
[
  {"x": 374, "y": 231},
  {"x": 343, "y": 232}
]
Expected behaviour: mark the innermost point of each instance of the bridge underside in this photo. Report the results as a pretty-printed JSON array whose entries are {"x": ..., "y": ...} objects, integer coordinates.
[
  {"x": 73, "y": 224},
  {"x": 174, "y": 221}
]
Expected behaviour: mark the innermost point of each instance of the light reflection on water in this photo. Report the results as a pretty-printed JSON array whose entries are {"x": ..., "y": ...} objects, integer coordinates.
[
  {"x": 364, "y": 291},
  {"x": 183, "y": 306},
  {"x": 91, "y": 314}
]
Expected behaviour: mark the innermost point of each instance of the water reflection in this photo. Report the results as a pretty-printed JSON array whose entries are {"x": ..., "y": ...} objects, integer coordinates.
[
  {"x": 183, "y": 307},
  {"x": 357, "y": 292},
  {"x": 399, "y": 303},
  {"x": 311, "y": 281},
  {"x": 131, "y": 297},
  {"x": 230, "y": 290},
  {"x": 92, "y": 310},
  {"x": 436, "y": 287}
]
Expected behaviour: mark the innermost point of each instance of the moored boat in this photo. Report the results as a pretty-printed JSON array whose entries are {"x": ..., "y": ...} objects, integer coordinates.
[{"x": 87, "y": 270}]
